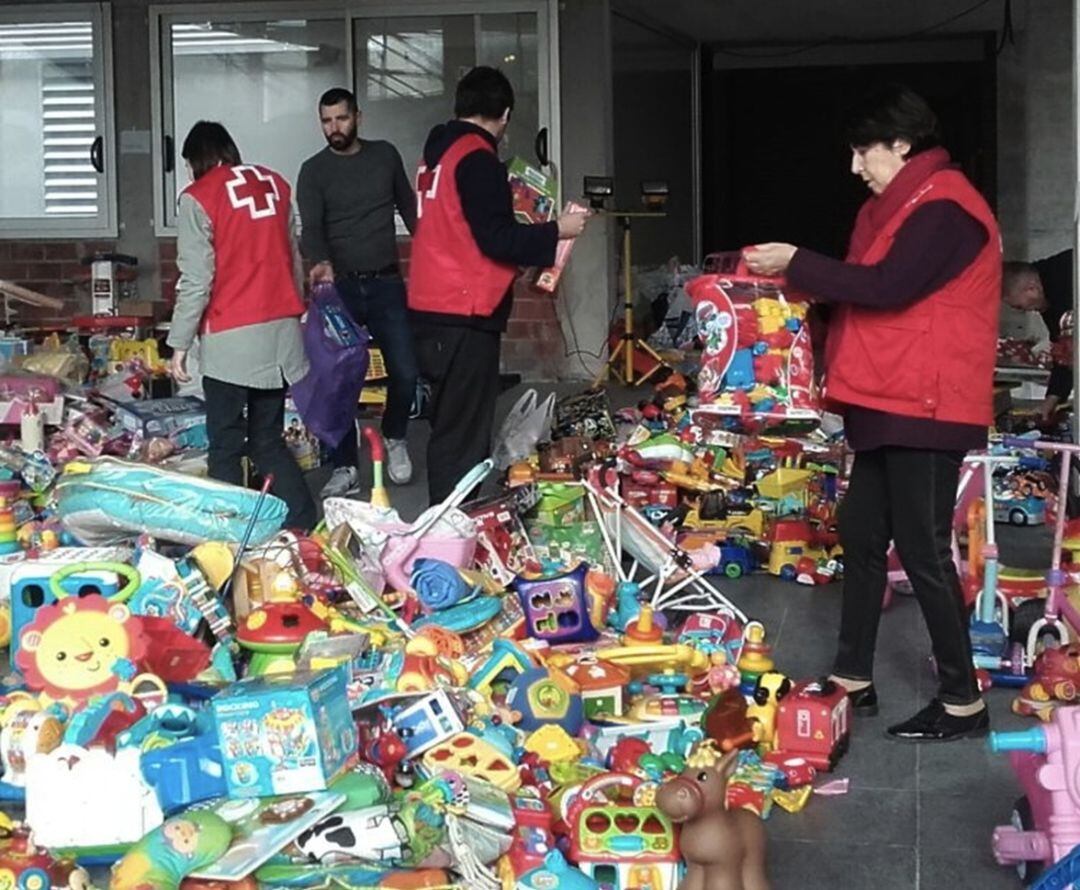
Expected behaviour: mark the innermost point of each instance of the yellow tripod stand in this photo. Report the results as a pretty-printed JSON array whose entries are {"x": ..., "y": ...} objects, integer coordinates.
[{"x": 629, "y": 341}]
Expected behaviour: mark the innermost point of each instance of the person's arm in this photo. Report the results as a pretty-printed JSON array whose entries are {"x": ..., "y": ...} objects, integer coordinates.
[
  {"x": 313, "y": 243},
  {"x": 488, "y": 206},
  {"x": 294, "y": 251},
  {"x": 934, "y": 245},
  {"x": 195, "y": 260},
  {"x": 404, "y": 195}
]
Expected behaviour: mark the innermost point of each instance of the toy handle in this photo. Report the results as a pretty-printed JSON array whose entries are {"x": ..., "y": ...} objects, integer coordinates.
[
  {"x": 375, "y": 443},
  {"x": 1018, "y": 442},
  {"x": 1024, "y": 740},
  {"x": 117, "y": 568},
  {"x": 736, "y": 742}
]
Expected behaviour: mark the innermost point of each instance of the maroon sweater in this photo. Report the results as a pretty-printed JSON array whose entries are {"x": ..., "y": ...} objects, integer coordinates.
[{"x": 934, "y": 245}]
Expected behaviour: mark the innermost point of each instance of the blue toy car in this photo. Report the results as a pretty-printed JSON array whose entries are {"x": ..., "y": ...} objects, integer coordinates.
[
  {"x": 735, "y": 560},
  {"x": 1020, "y": 511}
]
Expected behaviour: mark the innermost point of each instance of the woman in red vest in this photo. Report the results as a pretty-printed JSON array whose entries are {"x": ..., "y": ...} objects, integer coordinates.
[
  {"x": 909, "y": 364},
  {"x": 239, "y": 291}
]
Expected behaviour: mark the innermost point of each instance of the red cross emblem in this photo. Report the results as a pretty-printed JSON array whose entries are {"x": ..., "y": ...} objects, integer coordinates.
[{"x": 253, "y": 189}]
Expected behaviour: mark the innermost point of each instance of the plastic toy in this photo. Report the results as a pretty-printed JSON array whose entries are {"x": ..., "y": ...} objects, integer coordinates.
[
  {"x": 472, "y": 756},
  {"x": 813, "y": 722},
  {"x": 26, "y": 731},
  {"x": 181, "y": 846},
  {"x": 506, "y": 661},
  {"x": 1055, "y": 679},
  {"x": 273, "y": 633},
  {"x": 426, "y": 722},
  {"x": 617, "y": 840},
  {"x": 78, "y": 648},
  {"x": 770, "y": 690},
  {"x": 602, "y": 685},
  {"x": 756, "y": 657},
  {"x": 556, "y": 608},
  {"x": 1044, "y": 826},
  {"x": 643, "y": 630},
  {"x": 555, "y": 872},
  {"x": 722, "y": 847},
  {"x": 24, "y": 866},
  {"x": 725, "y": 721},
  {"x": 546, "y": 695}
]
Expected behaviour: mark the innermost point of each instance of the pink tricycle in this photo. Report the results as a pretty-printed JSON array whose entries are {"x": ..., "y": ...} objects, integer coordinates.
[{"x": 1046, "y": 820}]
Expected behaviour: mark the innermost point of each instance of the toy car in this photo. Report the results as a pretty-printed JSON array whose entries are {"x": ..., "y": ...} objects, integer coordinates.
[
  {"x": 736, "y": 560},
  {"x": 1027, "y": 510},
  {"x": 26, "y": 867}
]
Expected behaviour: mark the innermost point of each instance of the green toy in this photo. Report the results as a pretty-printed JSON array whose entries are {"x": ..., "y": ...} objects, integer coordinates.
[{"x": 182, "y": 845}]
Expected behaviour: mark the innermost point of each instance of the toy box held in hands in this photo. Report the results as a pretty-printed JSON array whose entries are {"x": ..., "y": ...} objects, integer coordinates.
[
  {"x": 285, "y": 733},
  {"x": 757, "y": 365}
]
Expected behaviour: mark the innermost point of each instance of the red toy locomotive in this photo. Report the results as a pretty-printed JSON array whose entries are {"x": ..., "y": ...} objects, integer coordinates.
[{"x": 813, "y": 721}]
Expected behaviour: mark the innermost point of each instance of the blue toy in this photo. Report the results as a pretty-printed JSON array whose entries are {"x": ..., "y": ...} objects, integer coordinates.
[
  {"x": 740, "y": 373},
  {"x": 542, "y": 697},
  {"x": 557, "y": 608},
  {"x": 556, "y": 872}
]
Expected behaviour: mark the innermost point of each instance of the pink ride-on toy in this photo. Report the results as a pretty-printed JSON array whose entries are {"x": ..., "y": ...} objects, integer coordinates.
[{"x": 1046, "y": 820}]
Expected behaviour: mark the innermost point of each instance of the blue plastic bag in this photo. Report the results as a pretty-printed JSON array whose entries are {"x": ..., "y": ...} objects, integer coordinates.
[{"x": 337, "y": 350}]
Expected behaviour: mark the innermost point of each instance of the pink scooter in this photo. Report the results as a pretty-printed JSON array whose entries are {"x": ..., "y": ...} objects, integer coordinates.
[{"x": 1046, "y": 820}]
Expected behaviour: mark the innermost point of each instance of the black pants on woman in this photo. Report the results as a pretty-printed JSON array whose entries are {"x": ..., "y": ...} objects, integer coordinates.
[
  {"x": 905, "y": 495},
  {"x": 242, "y": 420}
]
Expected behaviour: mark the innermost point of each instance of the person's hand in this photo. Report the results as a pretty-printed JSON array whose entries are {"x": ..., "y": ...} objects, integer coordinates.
[
  {"x": 769, "y": 259},
  {"x": 572, "y": 224},
  {"x": 1047, "y": 407},
  {"x": 321, "y": 273},
  {"x": 178, "y": 366}
]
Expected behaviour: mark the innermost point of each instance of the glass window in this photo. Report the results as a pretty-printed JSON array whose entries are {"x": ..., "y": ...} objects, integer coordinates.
[
  {"x": 55, "y": 111},
  {"x": 261, "y": 79},
  {"x": 408, "y": 66}
]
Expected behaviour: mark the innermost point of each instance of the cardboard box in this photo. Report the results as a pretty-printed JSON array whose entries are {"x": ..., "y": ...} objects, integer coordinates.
[
  {"x": 161, "y": 417},
  {"x": 153, "y": 309},
  {"x": 285, "y": 733}
]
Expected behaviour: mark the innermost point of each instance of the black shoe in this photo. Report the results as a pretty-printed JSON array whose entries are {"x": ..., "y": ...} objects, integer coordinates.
[
  {"x": 864, "y": 701},
  {"x": 934, "y": 724}
]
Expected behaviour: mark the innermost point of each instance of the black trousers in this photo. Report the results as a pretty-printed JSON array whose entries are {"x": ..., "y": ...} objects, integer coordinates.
[
  {"x": 462, "y": 365},
  {"x": 242, "y": 420},
  {"x": 905, "y": 495}
]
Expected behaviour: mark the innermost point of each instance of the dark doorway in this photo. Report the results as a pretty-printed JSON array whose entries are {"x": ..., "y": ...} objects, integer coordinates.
[{"x": 775, "y": 164}]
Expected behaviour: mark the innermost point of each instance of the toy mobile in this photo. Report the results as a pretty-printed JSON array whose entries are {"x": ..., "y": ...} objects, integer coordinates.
[
  {"x": 813, "y": 721},
  {"x": 790, "y": 542},
  {"x": 26, "y": 867},
  {"x": 1027, "y": 510},
  {"x": 1045, "y": 824}
]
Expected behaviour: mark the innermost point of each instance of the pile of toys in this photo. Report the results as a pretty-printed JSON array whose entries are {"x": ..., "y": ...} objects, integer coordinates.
[{"x": 484, "y": 697}]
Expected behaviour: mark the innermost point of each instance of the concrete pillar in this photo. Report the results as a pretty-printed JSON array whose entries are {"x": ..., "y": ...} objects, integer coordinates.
[{"x": 588, "y": 290}]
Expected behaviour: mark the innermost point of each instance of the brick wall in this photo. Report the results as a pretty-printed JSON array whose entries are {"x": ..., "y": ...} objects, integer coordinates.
[
  {"x": 51, "y": 268},
  {"x": 533, "y": 344}
]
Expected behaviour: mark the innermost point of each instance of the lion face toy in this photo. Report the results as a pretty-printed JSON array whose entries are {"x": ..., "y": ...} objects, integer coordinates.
[{"x": 72, "y": 648}]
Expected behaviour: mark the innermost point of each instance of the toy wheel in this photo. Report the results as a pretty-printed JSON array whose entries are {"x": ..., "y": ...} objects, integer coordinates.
[
  {"x": 34, "y": 879},
  {"x": 1023, "y": 618},
  {"x": 1023, "y": 820},
  {"x": 1018, "y": 517},
  {"x": 1017, "y": 656},
  {"x": 1065, "y": 691},
  {"x": 788, "y": 572},
  {"x": 733, "y": 570}
]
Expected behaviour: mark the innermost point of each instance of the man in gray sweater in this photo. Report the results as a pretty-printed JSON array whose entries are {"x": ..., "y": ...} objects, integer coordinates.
[{"x": 347, "y": 195}]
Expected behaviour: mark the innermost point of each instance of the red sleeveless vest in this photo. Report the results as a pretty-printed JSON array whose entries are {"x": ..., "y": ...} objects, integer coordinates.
[
  {"x": 447, "y": 272},
  {"x": 935, "y": 357},
  {"x": 248, "y": 207}
]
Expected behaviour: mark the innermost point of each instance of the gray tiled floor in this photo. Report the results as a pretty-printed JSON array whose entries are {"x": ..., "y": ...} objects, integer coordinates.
[{"x": 915, "y": 816}]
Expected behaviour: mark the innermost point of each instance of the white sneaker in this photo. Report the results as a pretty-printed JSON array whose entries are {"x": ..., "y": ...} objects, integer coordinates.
[
  {"x": 398, "y": 464},
  {"x": 342, "y": 482}
]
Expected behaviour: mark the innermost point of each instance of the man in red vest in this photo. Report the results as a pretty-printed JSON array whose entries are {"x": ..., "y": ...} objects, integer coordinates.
[
  {"x": 465, "y": 256},
  {"x": 910, "y": 364},
  {"x": 239, "y": 291}
]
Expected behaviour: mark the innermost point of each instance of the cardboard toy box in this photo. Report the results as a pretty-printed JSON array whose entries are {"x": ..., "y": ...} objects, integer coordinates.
[
  {"x": 161, "y": 417},
  {"x": 285, "y": 733}
]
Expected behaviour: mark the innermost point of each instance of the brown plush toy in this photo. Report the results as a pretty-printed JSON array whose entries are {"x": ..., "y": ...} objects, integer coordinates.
[{"x": 724, "y": 849}]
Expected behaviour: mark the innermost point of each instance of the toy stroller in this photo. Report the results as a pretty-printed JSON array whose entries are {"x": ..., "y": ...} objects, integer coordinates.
[{"x": 676, "y": 583}]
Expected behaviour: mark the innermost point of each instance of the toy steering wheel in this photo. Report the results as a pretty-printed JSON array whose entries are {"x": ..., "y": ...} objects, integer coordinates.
[{"x": 123, "y": 570}]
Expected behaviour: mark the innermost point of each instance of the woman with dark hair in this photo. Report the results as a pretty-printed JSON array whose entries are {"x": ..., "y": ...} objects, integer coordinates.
[
  {"x": 239, "y": 290},
  {"x": 909, "y": 363}
]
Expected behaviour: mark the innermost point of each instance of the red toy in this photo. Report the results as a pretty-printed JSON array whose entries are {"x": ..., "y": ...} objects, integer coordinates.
[
  {"x": 813, "y": 721},
  {"x": 26, "y": 867},
  {"x": 533, "y": 836}
]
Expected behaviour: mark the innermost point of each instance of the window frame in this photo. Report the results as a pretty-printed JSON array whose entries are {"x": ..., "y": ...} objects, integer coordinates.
[
  {"x": 162, "y": 14},
  {"x": 105, "y": 224}
]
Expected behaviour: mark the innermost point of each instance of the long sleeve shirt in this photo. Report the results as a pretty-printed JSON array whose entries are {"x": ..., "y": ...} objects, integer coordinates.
[
  {"x": 261, "y": 356},
  {"x": 934, "y": 245},
  {"x": 347, "y": 205}
]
